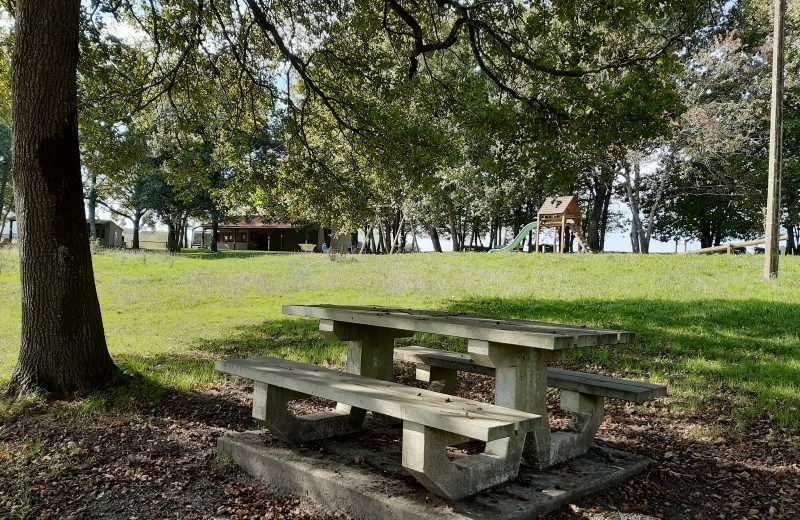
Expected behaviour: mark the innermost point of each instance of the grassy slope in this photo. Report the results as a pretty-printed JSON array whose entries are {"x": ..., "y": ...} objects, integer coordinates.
[{"x": 709, "y": 326}]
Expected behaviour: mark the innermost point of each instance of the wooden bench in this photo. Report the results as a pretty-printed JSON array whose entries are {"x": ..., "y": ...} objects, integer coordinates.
[
  {"x": 432, "y": 421},
  {"x": 581, "y": 393}
]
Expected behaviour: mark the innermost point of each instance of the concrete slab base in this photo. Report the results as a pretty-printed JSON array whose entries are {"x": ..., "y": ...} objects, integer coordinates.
[{"x": 360, "y": 475}]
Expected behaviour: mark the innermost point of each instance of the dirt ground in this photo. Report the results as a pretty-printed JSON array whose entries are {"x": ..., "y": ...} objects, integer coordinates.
[{"x": 158, "y": 461}]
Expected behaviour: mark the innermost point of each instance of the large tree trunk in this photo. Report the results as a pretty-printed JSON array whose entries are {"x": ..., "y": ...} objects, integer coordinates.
[
  {"x": 604, "y": 217},
  {"x": 174, "y": 236},
  {"x": 91, "y": 206},
  {"x": 595, "y": 215},
  {"x": 706, "y": 235},
  {"x": 63, "y": 345},
  {"x": 437, "y": 245},
  {"x": 137, "y": 223},
  {"x": 451, "y": 221},
  {"x": 3, "y": 187},
  {"x": 791, "y": 247},
  {"x": 215, "y": 230}
]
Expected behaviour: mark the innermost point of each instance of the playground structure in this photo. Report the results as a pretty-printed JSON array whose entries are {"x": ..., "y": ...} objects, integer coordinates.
[
  {"x": 732, "y": 247},
  {"x": 514, "y": 244},
  {"x": 556, "y": 212},
  {"x": 562, "y": 213}
]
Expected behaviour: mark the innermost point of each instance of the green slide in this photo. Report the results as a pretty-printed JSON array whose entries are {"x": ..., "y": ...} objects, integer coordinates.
[{"x": 514, "y": 244}]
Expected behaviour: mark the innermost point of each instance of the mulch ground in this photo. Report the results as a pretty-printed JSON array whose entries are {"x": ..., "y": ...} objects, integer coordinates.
[{"x": 158, "y": 461}]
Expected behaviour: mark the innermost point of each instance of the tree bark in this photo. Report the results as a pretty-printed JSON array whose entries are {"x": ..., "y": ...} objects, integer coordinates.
[
  {"x": 791, "y": 247},
  {"x": 379, "y": 246},
  {"x": 3, "y": 187},
  {"x": 173, "y": 236},
  {"x": 92, "y": 207},
  {"x": 63, "y": 345},
  {"x": 137, "y": 223},
  {"x": 706, "y": 235},
  {"x": 437, "y": 245},
  {"x": 214, "y": 230},
  {"x": 451, "y": 221},
  {"x": 604, "y": 217},
  {"x": 594, "y": 231}
]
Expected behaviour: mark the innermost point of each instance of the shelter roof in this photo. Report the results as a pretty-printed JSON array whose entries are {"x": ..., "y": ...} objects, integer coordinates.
[{"x": 253, "y": 223}]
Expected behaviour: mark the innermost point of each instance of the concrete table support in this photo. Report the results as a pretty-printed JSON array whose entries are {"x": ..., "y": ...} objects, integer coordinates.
[
  {"x": 369, "y": 353},
  {"x": 424, "y": 448},
  {"x": 369, "y": 349},
  {"x": 425, "y": 457},
  {"x": 521, "y": 383},
  {"x": 586, "y": 420},
  {"x": 270, "y": 407},
  {"x": 439, "y": 379}
]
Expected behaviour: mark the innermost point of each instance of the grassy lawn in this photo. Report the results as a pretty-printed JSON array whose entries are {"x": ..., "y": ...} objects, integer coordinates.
[{"x": 724, "y": 340}]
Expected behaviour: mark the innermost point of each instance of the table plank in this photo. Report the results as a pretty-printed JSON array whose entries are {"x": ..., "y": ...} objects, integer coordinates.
[
  {"x": 548, "y": 336},
  {"x": 624, "y": 336}
]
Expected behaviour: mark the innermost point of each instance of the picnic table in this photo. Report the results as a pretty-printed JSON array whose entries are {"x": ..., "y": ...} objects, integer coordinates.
[
  {"x": 517, "y": 350},
  {"x": 515, "y": 427}
]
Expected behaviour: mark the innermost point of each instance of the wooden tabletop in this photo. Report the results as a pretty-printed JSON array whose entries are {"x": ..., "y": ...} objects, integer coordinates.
[{"x": 534, "y": 334}]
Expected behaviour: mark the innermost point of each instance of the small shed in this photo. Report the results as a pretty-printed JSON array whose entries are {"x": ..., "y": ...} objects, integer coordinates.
[
  {"x": 109, "y": 234},
  {"x": 10, "y": 221},
  {"x": 562, "y": 213}
]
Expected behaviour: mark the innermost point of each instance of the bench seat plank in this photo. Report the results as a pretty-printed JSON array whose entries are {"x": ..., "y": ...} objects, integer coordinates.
[
  {"x": 612, "y": 387},
  {"x": 615, "y": 388},
  {"x": 441, "y": 358},
  {"x": 445, "y": 412}
]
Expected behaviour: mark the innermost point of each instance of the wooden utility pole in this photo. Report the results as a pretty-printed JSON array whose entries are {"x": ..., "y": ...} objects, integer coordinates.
[{"x": 775, "y": 145}]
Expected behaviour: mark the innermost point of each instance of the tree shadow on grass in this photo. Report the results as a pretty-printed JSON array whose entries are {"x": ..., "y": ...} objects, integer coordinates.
[
  {"x": 743, "y": 354},
  {"x": 734, "y": 357},
  {"x": 152, "y": 376}
]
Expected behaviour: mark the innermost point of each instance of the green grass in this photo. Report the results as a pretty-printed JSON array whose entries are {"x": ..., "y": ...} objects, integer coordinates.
[{"x": 708, "y": 325}]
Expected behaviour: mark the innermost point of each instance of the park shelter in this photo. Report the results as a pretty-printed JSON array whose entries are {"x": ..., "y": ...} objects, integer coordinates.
[
  {"x": 269, "y": 234},
  {"x": 563, "y": 214}
]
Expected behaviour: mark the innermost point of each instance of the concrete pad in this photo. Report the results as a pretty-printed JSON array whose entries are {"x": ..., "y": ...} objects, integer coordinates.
[{"x": 361, "y": 475}]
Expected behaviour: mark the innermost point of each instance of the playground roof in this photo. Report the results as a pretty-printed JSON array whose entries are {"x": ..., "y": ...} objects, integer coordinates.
[{"x": 559, "y": 206}]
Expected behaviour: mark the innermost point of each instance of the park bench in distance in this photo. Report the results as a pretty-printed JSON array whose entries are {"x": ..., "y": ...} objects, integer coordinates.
[
  {"x": 431, "y": 421},
  {"x": 581, "y": 393}
]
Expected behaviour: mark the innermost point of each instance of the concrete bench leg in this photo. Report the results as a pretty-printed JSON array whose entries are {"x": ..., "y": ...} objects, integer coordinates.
[
  {"x": 439, "y": 379},
  {"x": 425, "y": 457},
  {"x": 587, "y": 418},
  {"x": 270, "y": 406}
]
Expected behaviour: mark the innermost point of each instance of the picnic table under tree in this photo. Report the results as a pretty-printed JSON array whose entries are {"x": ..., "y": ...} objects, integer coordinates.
[{"x": 515, "y": 428}]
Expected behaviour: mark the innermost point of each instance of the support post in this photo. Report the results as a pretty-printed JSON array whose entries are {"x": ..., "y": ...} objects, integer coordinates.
[
  {"x": 370, "y": 352},
  {"x": 775, "y": 145},
  {"x": 425, "y": 458},
  {"x": 521, "y": 384}
]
